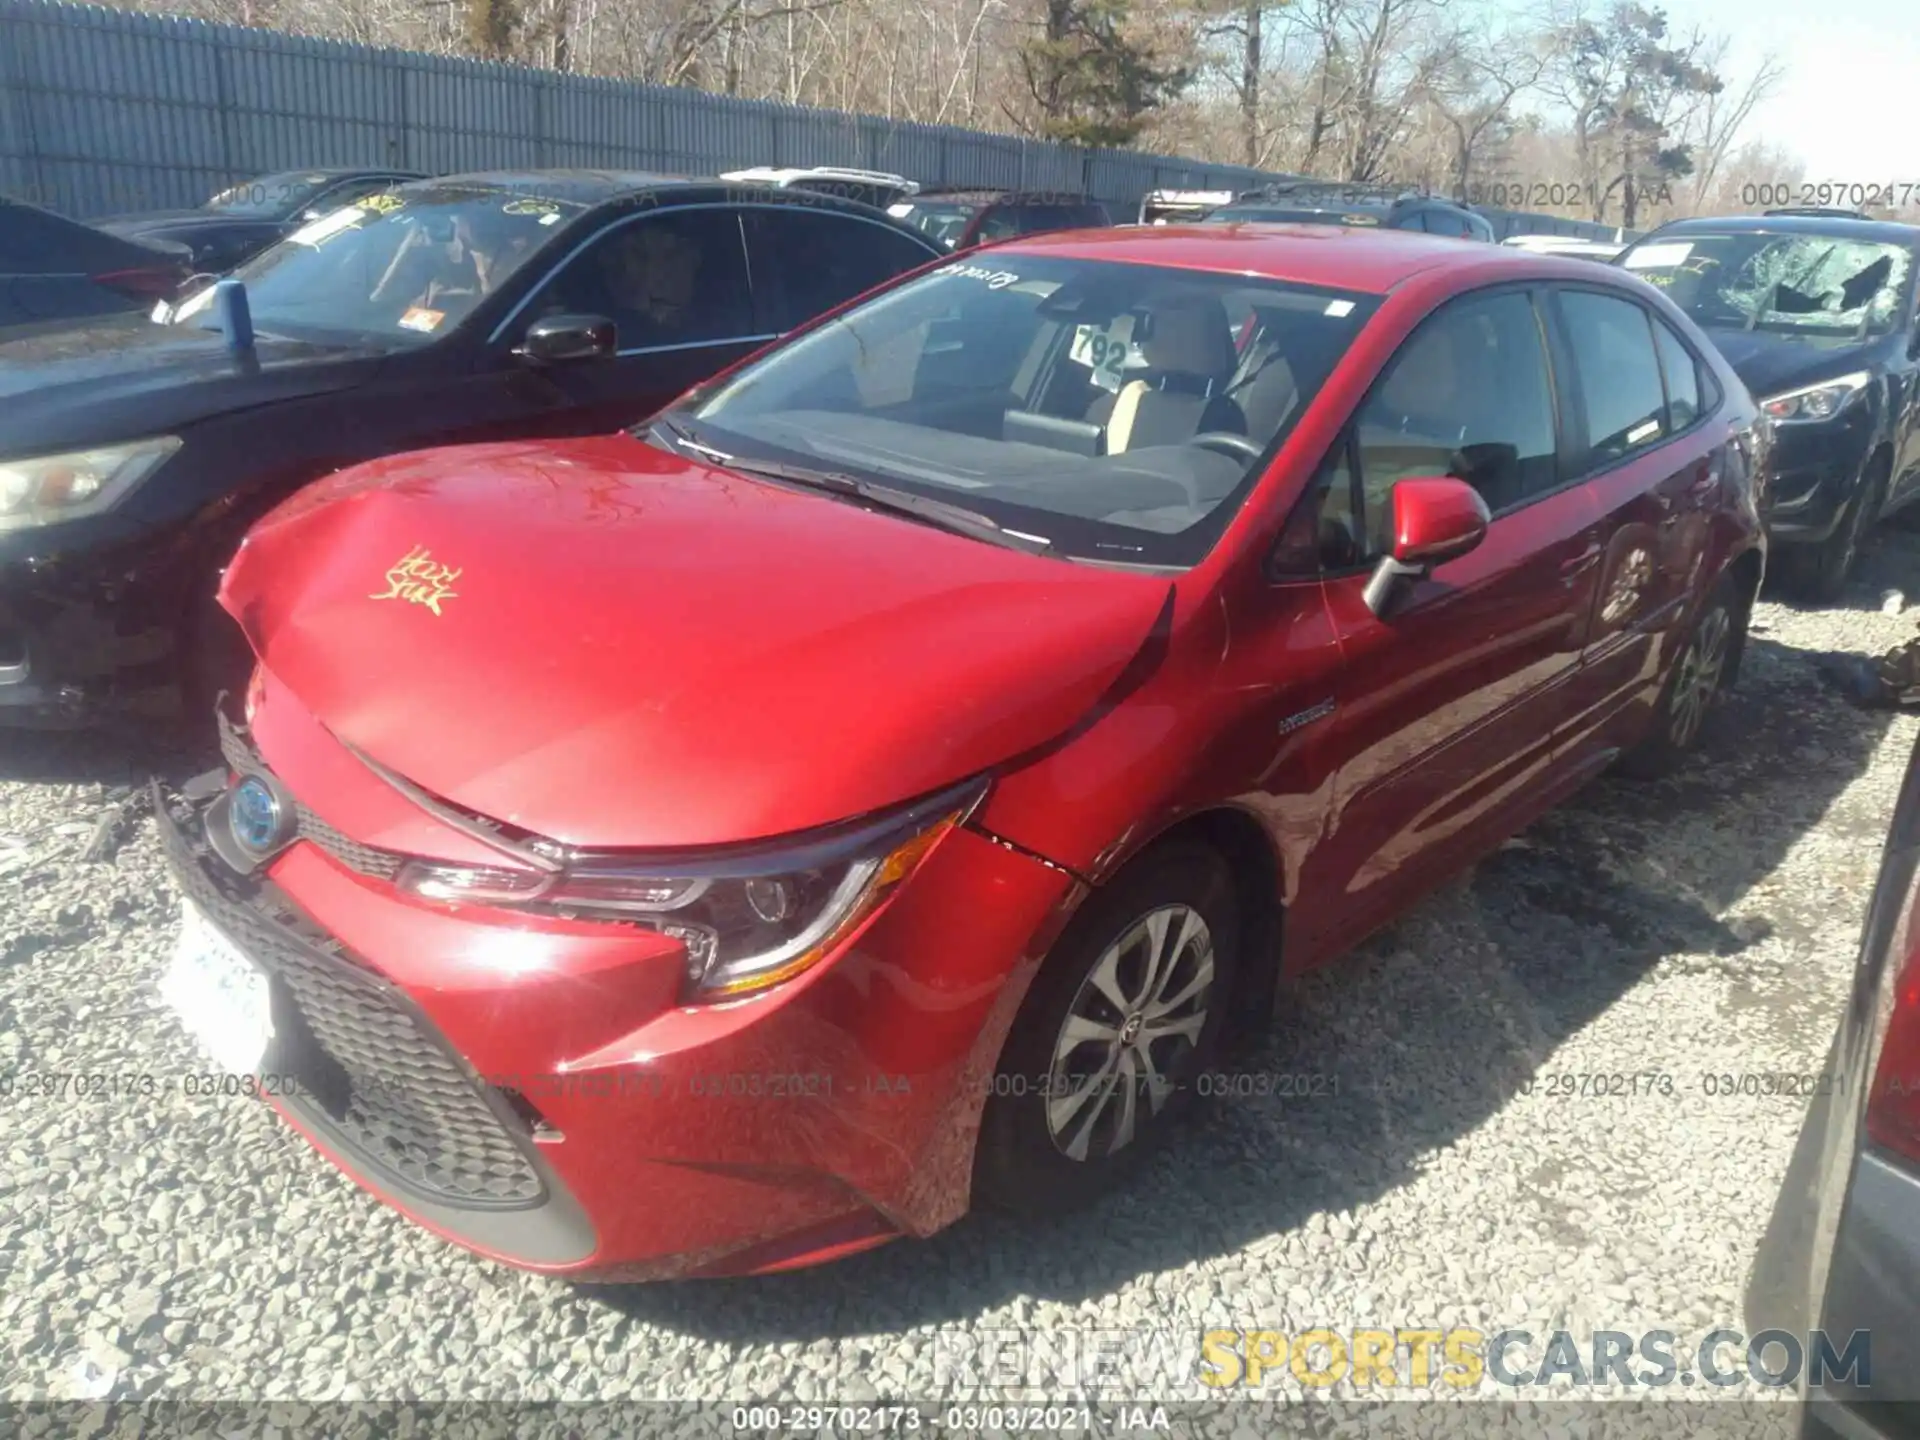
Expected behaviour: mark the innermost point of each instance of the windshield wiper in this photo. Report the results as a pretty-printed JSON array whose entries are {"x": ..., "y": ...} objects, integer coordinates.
[
  {"x": 942, "y": 513},
  {"x": 679, "y": 438}
]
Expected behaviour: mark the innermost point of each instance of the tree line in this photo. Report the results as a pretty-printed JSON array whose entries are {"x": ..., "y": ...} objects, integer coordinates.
[{"x": 1598, "y": 109}]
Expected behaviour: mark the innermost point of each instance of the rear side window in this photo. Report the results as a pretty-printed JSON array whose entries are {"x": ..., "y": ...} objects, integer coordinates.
[
  {"x": 1683, "y": 377},
  {"x": 1621, "y": 395},
  {"x": 1416, "y": 221},
  {"x": 806, "y": 261}
]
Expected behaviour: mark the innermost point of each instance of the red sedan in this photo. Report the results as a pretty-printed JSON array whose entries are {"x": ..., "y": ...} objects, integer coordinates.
[{"x": 875, "y": 785}]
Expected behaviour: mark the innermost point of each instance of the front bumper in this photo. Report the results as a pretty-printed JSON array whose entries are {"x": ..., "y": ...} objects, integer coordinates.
[
  {"x": 1815, "y": 470},
  {"x": 81, "y": 643},
  {"x": 536, "y": 1091}
]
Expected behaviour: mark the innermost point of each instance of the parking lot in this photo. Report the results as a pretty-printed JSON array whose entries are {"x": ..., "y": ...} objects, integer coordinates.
[{"x": 1680, "y": 933}]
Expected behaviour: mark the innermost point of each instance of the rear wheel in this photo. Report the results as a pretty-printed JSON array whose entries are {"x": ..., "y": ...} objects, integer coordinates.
[
  {"x": 1693, "y": 685},
  {"x": 1101, "y": 1064}
]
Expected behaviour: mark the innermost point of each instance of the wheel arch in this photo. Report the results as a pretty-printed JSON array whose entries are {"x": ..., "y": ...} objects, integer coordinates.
[
  {"x": 1747, "y": 570},
  {"x": 1253, "y": 862}
]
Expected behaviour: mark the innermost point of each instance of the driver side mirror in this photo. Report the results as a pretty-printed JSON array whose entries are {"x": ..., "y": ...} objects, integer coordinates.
[
  {"x": 1434, "y": 520},
  {"x": 557, "y": 338}
]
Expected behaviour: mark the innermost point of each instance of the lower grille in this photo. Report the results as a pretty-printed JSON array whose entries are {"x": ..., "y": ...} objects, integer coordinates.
[
  {"x": 368, "y": 1071},
  {"x": 366, "y": 860}
]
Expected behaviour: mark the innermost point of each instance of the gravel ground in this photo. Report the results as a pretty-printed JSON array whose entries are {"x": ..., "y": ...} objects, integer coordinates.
[{"x": 193, "y": 1248}]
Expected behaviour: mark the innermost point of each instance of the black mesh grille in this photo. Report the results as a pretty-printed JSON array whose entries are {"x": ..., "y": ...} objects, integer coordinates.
[
  {"x": 365, "y": 859},
  {"x": 371, "y": 1074}
]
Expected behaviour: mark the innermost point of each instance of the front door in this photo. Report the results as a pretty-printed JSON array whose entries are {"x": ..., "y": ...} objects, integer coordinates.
[
  {"x": 1441, "y": 735},
  {"x": 674, "y": 283}
]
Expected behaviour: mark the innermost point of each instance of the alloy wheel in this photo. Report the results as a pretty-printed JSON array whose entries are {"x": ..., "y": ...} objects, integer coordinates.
[
  {"x": 1699, "y": 676},
  {"x": 1137, "y": 1016}
]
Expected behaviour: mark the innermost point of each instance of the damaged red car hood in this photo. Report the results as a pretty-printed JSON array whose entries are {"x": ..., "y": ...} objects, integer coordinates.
[{"x": 613, "y": 646}]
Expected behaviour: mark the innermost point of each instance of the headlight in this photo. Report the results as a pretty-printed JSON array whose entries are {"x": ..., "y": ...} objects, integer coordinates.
[
  {"x": 749, "y": 917},
  {"x": 1816, "y": 402},
  {"x": 49, "y": 488}
]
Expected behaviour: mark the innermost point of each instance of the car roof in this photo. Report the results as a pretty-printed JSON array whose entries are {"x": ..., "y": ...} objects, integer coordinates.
[
  {"x": 1335, "y": 256},
  {"x": 583, "y": 187},
  {"x": 1838, "y": 227},
  {"x": 1018, "y": 197},
  {"x": 318, "y": 173}
]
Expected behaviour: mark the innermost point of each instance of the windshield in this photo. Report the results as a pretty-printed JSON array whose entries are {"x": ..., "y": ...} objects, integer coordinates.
[
  {"x": 1120, "y": 412},
  {"x": 271, "y": 195},
  {"x": 944, "y": 221},
  {"x": 406, "y": 265},
  {"x": 1804, "y": 285}
]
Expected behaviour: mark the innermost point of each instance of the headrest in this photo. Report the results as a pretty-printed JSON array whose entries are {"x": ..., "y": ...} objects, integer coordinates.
[{"x": 1189, "y": 335}]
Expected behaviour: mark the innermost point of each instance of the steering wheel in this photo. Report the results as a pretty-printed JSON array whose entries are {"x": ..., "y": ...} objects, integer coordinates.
[{"x": 1228, "y": 441}]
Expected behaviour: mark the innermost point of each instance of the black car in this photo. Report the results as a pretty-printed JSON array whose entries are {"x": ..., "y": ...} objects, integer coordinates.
[
  {"x": 960, "y": 219},
  {"x": 134, "y": 452},
  {"x": 1841, "y": 1251},
  {"x": 245, "y": 219},
  {"x": 53, "y": 268},
  {"x": 1359, "y": 206},
  {"x": 1816, "y": 313}
]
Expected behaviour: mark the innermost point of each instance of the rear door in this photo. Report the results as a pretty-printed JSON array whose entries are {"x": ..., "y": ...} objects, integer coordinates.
[
  {"x": 804, "y": 261},
  {"x": 1443, "y": 721},
  {"x": 1633, "y": 407}
]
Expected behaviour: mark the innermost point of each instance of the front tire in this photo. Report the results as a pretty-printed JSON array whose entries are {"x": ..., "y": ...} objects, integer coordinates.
[
  {"x": 1820, "y": 572},
  {"x": 1126, "y": 1012},
  {"x": 1693, "y": 686}
]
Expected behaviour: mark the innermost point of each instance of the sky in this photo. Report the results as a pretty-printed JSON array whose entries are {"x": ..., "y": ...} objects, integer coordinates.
[{"x": 1847, "y": 105}]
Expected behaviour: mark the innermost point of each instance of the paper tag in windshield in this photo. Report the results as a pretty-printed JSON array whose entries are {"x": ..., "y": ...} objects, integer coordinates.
[
  {"x": 328, "y": 226},
  {"x": 422, "y": 319},
  {"x": 1658, "y": 257},
  {"x": 1103, "y": 349},
  {"x": 900, "y": 212}
]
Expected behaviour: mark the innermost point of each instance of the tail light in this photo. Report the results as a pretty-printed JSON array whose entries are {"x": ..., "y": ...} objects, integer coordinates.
[
  {"x": 1893, "y": 1104},
  {"x": 1893, "y": 1100},
  {"x": 148, "y": 283}
]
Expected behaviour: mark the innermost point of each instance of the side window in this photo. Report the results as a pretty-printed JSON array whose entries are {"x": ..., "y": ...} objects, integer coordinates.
[
  {"x": 1624, "y": 402},
  {"x": 1467, "y": 395},
  {"x": 1683, "y": 378},
  {"x": 1415, "y": 221},
  {"x": 1001, "y": 222},
  {"x": 674, "y": 278},
  {"x": 806, "y": 261}
]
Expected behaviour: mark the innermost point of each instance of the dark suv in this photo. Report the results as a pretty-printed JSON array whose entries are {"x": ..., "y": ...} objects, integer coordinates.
[
  {"x": 1355, "y": 205},
  {"x": 1816, "y": 312},
  {"x": 962, "y": 218}
]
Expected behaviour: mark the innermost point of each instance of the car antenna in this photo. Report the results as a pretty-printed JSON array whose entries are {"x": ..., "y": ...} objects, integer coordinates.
[{"x": 230, "y": 308}]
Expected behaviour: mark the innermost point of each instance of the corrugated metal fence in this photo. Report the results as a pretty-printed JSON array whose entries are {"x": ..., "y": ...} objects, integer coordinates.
[{"x": 108, "y": 110}]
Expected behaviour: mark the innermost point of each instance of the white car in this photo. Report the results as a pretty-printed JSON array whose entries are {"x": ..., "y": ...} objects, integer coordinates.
[
  {"x": 875, "y": 187},
  {"x": 1601, "y": 250}
]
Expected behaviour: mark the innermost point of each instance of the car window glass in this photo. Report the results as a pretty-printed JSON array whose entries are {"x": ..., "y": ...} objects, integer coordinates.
[
  {"x": 807, "y": 261},
  {"x": 1119, "y": 410},
  {"x": 674, "y": 278},
  {"x": 1621, "y": 394},
  {"x": 1001, "y": 222},
  {"x": 343, "y": 194},
  {"x": 405, "y": 267},
  {"x": 1467, "y": 396},
  {"x": 1683, "y": 379}
]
